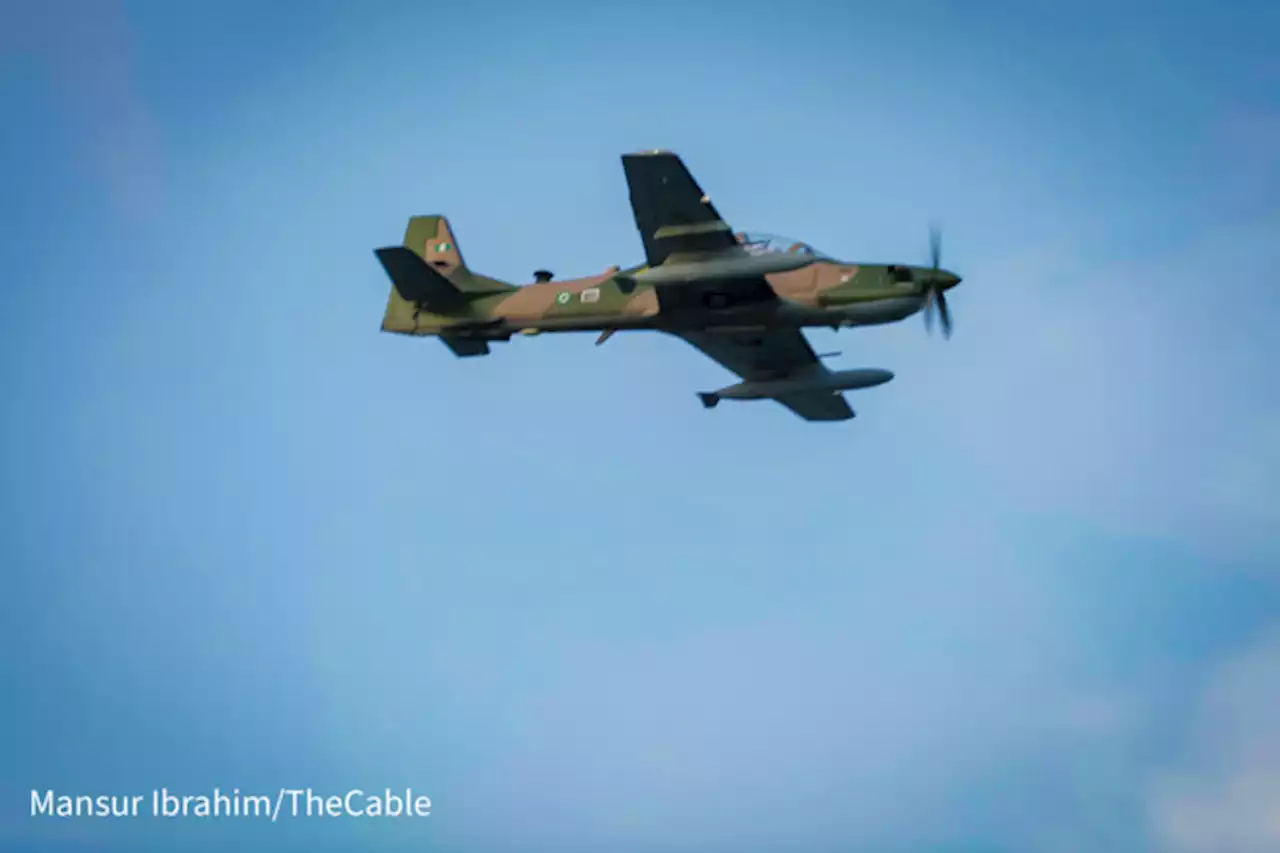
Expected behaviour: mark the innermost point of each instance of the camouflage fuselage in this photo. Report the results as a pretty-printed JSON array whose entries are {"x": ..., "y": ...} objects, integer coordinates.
[{"x": 824, "y": 293}]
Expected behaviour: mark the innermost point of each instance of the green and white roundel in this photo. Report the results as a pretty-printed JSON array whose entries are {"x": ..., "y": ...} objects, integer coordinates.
[
  {"x": 443, "y": 247},
  {"x": 563, "y": 297}
]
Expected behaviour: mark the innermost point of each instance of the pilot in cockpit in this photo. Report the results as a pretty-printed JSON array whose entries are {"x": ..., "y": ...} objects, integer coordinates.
[{"x": 753, "y": 246}]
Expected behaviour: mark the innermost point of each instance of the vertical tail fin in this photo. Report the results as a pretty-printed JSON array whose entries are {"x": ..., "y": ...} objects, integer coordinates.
[
  {"x": 432, "y": 287},
  {"x": 433, "y": 240}
]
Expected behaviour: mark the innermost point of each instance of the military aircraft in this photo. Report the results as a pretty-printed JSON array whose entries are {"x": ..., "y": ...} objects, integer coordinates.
[{"x": 742, "y": 299}]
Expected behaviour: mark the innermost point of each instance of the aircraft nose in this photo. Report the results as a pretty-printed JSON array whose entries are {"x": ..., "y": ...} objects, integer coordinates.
[{"x": 949, "y": 280}]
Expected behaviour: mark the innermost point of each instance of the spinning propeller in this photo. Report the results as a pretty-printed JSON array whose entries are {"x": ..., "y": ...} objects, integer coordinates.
[{"x": 935, "y": 295}]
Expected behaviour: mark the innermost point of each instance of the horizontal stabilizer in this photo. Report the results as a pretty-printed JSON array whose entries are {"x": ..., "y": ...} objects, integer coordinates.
[
  {"x": 418, "y": 283},
  {"x": 466, "y": 347}
]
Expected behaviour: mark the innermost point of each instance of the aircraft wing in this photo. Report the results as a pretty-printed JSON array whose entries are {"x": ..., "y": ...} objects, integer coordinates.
[
  {"x": 774, "y": 354},
  {"x": 665, "y": 196}
]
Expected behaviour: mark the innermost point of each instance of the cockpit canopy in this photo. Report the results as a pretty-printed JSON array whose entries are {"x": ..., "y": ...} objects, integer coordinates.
[{"x": 759, "y": 243}]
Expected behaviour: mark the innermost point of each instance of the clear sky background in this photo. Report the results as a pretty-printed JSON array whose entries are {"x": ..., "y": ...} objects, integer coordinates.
[{"x": 1028, "y": 601}]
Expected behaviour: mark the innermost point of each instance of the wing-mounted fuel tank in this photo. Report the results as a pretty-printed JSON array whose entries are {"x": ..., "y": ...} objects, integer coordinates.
[
  {"x": 702, "y": 253},
  {"x": 823, "y": 381}
]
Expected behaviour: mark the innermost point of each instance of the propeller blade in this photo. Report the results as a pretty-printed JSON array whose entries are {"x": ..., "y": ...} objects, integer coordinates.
[{"x": 935, "y": 299}]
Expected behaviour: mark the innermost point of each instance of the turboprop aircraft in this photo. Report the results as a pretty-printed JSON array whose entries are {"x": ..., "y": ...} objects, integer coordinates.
[{"x": 740, "y": 298}]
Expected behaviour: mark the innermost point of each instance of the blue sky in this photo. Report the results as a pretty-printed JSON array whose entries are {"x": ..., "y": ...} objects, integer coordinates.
[{"x": 1026, "y": 601}]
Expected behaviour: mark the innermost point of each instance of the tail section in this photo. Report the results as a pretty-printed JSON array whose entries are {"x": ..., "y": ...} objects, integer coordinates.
[
  {"x": 432, "y": 239},
  {"x": 416, "y": 282},
  {"x": 432, "y": 286}
]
